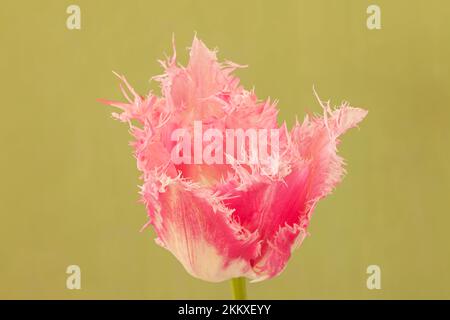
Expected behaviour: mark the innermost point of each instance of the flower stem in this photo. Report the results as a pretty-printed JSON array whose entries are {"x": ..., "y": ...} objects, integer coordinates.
[{"x": 239, "y": 288}]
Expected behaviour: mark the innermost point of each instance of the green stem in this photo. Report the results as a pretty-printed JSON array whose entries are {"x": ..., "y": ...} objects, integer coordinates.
[{"x": 239, "y": 288}]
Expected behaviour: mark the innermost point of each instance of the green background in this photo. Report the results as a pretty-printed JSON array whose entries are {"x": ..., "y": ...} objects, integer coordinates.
[{"x": 69, "y": 182}]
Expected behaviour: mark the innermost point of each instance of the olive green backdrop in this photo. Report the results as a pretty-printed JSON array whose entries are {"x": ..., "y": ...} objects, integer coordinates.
[{"x": 68, "y": 191}]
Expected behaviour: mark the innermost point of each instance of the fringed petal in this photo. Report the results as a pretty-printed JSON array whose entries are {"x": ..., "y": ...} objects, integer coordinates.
[
  {"x": 280, "y": 211},
  {"x": 199, "y": 230}
]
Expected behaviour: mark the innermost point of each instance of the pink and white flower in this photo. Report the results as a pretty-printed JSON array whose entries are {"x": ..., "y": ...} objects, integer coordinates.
[{"x": 235, "y": 219}]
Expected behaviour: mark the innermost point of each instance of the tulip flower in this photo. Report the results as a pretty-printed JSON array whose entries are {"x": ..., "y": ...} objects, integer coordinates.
[{"x": 229, "y": 218}]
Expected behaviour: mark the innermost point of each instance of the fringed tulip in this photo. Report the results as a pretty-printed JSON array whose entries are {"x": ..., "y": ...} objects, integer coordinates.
[{"x": 229, "y": 219}]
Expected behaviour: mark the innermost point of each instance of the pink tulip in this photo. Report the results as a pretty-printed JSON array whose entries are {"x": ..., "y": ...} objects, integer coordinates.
[{"x": 233, "y": 219}]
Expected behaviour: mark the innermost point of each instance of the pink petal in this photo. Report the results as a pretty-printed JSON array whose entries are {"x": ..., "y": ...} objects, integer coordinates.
[
  {"x": 199, "y": 230},
  {"x": 280, "y": 211}
]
